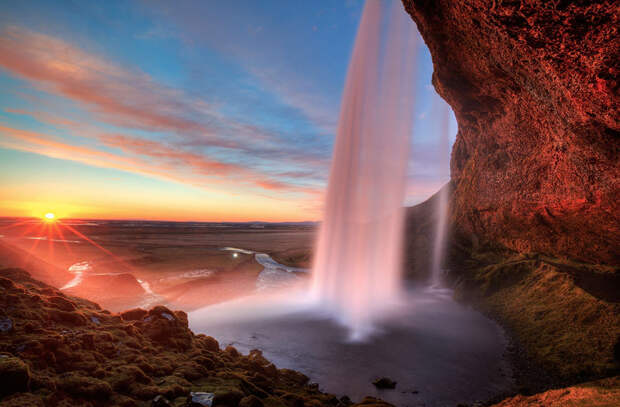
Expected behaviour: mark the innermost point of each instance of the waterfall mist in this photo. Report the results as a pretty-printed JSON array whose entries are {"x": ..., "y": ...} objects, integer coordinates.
[{"x": 357, "y": 266}]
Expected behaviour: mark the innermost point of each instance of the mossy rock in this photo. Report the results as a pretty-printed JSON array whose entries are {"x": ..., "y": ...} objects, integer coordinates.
[{"x": 14, "y": 375}]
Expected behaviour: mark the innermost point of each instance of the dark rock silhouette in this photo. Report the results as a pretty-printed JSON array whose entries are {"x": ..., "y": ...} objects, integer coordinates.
[{"x": 384, "y": 383}]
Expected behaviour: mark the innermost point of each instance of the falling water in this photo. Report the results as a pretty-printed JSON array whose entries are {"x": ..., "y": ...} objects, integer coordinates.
[
  {"x": 441, "y": 206},
  {"x": 357, "y": 268}
]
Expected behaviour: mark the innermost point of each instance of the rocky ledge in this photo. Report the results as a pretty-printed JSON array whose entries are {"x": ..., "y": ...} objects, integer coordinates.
[{"x": 57, "y": 350}]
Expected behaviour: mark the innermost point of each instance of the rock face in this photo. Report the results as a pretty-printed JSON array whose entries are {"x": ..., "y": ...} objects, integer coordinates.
[{"x": 534, "y": 86}]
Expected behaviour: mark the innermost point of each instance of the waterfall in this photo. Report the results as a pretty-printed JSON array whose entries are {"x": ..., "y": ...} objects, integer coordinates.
[
  {"x": 357, "y": 266},
  {"x": 442, "y": 201}
]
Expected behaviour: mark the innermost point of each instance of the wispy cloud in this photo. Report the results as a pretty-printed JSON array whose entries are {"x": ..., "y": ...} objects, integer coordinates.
[
  {"x": 132, "y": 99},
  {"x": 263, "y": 50},
  {"x": 149, "y": 158},
  {"x": 124, "y": 97}
]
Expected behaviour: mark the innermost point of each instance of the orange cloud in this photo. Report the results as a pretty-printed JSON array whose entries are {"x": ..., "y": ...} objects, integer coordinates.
[
  {"x": 124, "y": 97},
  {"x": 171, "y": 164},
  {"x": 133, "y": 99}
]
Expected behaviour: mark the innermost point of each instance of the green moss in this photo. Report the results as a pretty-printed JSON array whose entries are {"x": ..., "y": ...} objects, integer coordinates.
[{"x": 565, "y": 330}]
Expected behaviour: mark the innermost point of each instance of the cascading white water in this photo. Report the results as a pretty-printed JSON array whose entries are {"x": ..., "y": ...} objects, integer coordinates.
[
  {"x": 441, "y": 206},
  {"x": 357, "y": 267}
]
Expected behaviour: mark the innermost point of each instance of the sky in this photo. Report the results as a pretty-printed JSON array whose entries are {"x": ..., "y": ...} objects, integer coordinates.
[{"x": 204, "y": 111}]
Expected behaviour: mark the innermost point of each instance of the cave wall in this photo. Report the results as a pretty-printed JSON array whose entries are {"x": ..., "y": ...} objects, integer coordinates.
[{"x": 534, "y": 87}]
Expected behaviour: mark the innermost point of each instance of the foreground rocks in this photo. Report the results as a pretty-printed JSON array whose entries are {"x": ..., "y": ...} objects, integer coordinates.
[
  {"x": 603, "y": 393},
  {"x": 66, "y": 351}
]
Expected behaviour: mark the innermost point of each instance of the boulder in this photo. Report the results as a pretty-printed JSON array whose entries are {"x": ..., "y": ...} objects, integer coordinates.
[
  {"x": 6, "y": 325},
  {"x": 200, "y": 399},
  {"x": 135, "y": 314},
  {"x": 250, "y": 401},
  {"x": 384, "y": 383},
  {"x": 14, "y": 375},
  {"x": 160, "y": 401}
]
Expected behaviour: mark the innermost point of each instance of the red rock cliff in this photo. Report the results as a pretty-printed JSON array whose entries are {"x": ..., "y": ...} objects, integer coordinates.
[{"x": 534, "y": 86}]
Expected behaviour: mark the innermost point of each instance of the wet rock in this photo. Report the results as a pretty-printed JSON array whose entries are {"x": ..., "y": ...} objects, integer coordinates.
[
  {"x": 6, "y": 325},
  {"x": 228, "y": 398},
  {"x": 345, "y": 401},
  {"x": 232, "y": 351},
  {"x": 162, "y": 327},
  {"x": 191, "y": 371},
  {"x": 200, "y": 399},
  {"x": 250, "y": 401},
  {"x": 5, "y": 283},
  {"x": 160, "y": 401},
  {"x": 293, "y": 400},
  {"x": 384, "y": 383},
  {"x": 66, "y": 317},
  {"x": 22, "y": 400},
  {"x": 62, "y": 303},
  {"x": 294, "y": 376},
  {"x": 84, "y": 386},
  {"x": 135, "y": 314},
  {"x": 14, "y": 376},
  {"x": 374, "y": 402}
]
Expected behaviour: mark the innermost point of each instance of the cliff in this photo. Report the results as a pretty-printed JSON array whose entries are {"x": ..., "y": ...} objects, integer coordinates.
[
  {"x": 534, "y": 87},
  {"x": 535, "y": 215}
]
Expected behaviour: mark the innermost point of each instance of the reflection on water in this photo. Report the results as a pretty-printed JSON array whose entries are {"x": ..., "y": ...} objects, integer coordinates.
[
  {"x": 78, "y": 269},
  {"x": 200, "y": 273},
  {"x": 52, "y": 240},
  {"x": 85, "y": 268},
  {"x": 274, "y": 275}
]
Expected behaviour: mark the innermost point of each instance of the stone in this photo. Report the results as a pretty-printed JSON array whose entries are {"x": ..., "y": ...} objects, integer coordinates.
[
  {"x": 384, "y": 383},
  {"x": 228, "y": 398},
  {"x": 160, "y": 401},
  {"x": 135, "y": 314},
  {"x": 250, "y": 401},
  {"x": 14, "y": 376},
  {"x": 200, "y": 399},
  {"x": 6, "y": 325}
]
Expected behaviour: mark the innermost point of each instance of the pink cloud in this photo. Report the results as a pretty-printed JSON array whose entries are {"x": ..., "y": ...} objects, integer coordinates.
[
  {"x": 170, "y": 164},
  {"x": 123, "y": 97}
]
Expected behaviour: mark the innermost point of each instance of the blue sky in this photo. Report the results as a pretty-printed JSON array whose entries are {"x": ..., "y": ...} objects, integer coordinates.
[{"x": 211, "y": 110}]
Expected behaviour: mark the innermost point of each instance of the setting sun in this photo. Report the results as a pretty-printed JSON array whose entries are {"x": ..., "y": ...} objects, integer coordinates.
[{"x": 49, "y": 217}]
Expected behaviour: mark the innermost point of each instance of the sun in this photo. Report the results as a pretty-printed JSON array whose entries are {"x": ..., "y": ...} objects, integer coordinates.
[{"x": 49, "y": 217}]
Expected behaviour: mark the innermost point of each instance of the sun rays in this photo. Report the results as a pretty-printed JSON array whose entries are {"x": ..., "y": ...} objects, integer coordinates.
[{"x": 57, "y": 233}]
